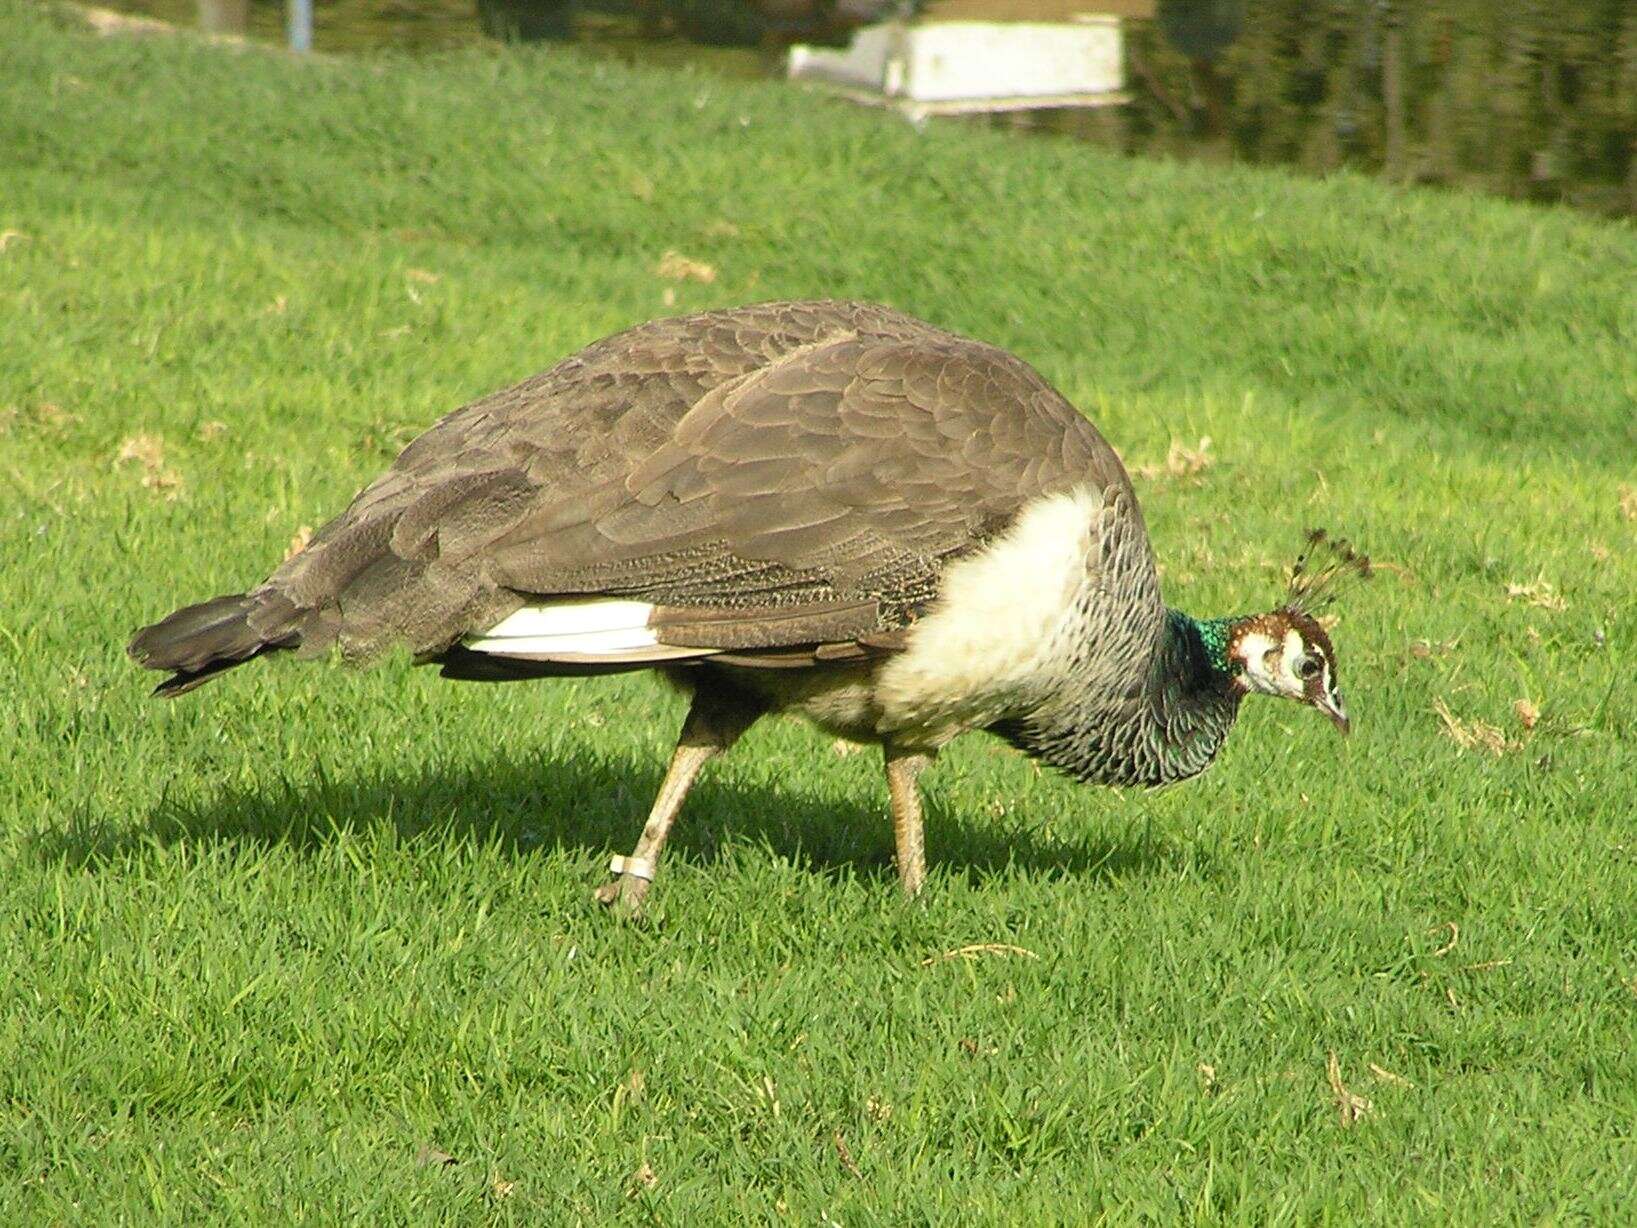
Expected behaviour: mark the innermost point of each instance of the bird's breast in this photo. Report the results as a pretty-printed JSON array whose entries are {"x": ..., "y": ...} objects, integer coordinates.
[{"x": 1006, "y": 631}]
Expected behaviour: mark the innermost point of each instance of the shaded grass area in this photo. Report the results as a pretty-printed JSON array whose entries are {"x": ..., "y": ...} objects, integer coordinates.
[{"x": 270, "y": 942}]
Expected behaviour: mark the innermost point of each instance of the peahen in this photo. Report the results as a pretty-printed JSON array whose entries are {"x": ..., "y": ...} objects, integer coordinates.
[{"x": 830, "y": 508}]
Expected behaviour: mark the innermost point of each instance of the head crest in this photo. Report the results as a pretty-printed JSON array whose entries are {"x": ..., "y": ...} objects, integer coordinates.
[{"x": 1324, "y": 568}]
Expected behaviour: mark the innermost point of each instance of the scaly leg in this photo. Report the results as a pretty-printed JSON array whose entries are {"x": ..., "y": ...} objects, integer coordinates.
[
  {"x": 903, "y": 767},
  {"x": 714, "y": 723}
]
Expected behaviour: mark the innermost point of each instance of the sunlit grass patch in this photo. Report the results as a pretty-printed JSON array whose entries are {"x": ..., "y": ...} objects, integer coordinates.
[{"x": 278, "y": 946}]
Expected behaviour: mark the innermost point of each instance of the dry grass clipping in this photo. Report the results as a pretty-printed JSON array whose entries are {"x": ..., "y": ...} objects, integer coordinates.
[
  {"x": 1474, "y": 734},
  {"x": 1180, "y": 461},
  {"x": 1454, "y": 938},
  {"x": 1387, "y": 1076},
  {"x": 674, "y": 266},
  {"x": 1539, "y": 592},
  {"x": 1426, "y": 650},
  {"x": 1351, "y": 1106},
  {"x": 1628, "y": 494},
  {"x": 46, "y": 416},
  {"x": 148, "y": 451},
  {"x": 846, "y": 1157},
  {"x": 641, "y": 1181},
  {"x": 978, "y": 948}
]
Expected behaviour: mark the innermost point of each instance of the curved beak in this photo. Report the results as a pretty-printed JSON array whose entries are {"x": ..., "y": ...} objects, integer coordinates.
[{"x": 1331, "y": 706}]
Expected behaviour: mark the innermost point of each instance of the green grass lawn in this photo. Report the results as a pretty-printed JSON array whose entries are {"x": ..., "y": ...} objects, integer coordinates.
[{"x": 273, "y": 946}]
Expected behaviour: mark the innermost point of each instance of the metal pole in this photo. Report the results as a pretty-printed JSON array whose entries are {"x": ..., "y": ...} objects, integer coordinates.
[{"x": 300, "y": 25}]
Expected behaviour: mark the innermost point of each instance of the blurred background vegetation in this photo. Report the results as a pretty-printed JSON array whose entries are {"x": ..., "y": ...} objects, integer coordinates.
[{"x": 1521, "y": 98}]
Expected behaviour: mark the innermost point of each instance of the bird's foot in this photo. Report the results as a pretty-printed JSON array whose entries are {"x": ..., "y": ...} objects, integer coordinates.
[{"x": 629, "y": 888}]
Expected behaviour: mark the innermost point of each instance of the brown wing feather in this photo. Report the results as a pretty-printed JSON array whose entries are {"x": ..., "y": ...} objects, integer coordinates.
[{"x": 769, "y": 476}]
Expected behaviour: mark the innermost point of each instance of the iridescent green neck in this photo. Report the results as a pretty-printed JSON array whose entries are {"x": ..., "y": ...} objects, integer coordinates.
[
  {"x": 1165, "y": 723},
  {"x": 1213, "y": 635}
]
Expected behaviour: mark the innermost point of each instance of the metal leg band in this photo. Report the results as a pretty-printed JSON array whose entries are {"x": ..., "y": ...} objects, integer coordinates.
[{"x": 636, "y": 867}]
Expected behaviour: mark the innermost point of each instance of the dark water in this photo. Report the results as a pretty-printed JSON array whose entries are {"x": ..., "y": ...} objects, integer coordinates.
[
  {"x": 1524, "y": 98},
  {"x": 1521, "y": 98}
]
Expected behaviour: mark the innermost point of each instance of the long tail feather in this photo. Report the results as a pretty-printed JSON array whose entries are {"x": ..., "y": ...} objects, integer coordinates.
[{"x": 199, "y": 641}]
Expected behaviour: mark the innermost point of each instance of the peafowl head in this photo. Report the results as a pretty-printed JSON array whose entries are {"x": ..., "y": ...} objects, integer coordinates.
[{"x": 1287, "y": 651}]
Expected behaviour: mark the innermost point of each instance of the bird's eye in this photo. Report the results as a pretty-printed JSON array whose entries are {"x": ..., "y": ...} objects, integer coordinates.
[{"x": 1308, "y": 668}]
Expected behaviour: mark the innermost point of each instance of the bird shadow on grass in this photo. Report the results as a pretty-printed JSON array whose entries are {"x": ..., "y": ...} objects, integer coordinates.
[{"x": 596, "y": 805}]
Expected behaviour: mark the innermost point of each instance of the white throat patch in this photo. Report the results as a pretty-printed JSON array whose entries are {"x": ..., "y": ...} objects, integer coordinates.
[
  {"x": 1269, "y": 663},
  {"x": 1001, "y": 627}
]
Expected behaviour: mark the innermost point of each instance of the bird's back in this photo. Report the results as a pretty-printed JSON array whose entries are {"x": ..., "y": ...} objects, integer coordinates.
[{"x": 767, "y": 476}]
